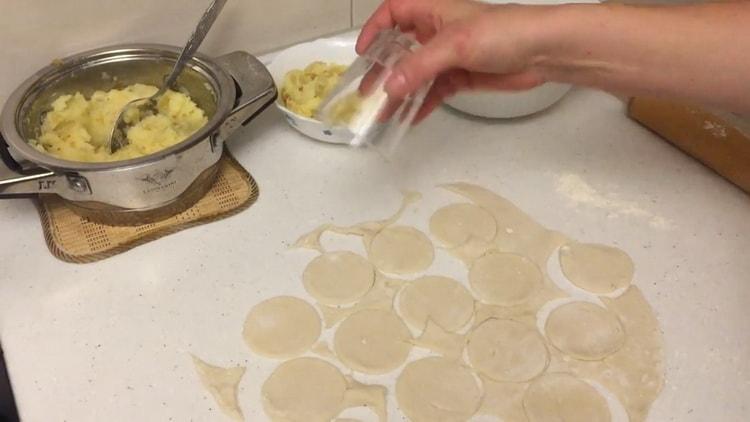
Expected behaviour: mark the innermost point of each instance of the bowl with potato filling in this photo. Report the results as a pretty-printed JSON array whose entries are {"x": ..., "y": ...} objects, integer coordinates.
[{"x": 304, "y": 75}]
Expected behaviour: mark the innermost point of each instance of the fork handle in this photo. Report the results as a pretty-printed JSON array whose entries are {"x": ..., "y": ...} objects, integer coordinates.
[{"x": 204, "y": 25}]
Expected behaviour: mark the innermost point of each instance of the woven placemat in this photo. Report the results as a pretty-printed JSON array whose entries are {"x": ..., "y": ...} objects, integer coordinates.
[{"x": 75, "y": 239}]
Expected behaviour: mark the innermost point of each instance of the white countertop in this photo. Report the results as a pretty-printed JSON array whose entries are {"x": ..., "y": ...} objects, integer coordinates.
[{"x": 110, "y": 340}]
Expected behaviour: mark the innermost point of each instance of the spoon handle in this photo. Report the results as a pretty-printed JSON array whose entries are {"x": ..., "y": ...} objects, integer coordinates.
[{"x": 207, "y": 20}]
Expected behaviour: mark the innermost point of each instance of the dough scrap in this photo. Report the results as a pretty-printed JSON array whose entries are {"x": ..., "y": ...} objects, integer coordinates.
[
  {"x": 401, "y": 250},
  {"x": 441, "y": 299},
  {"x": 323, "y": 350},
  {"x": 282, "y": 327},
  {"x": 435, "y": 338},
  {"x": 599, "y": 269},
  {"x": 456, "y": 224},
  {"x": 563, "y": 397},
  {"x": 338, "y": 278},
  {"x": 304, "y": 390},
  {"x": 372, "y": 341},
  {"x": 507, "y": 350},
  {"x": 223, "y": 384},
  {"x": 369, "y": 395},
  {"x": 437, "y": 389},
  {"x": 505, "y": 279},
  {"x": 503, "y": 400},
  {"x": 366, "y": 229},
  {"x": 585, "y": 331}
]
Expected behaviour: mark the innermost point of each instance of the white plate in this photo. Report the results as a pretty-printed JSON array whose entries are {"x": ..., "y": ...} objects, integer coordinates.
[{"x": 339, "y": 49}]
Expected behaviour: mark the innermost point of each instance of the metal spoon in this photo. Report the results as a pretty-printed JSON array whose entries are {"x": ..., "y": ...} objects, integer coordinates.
[{"x": 148, "y": 105}]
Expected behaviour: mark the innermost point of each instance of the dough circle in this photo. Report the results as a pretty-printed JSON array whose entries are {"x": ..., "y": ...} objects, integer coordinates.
[
  {"x": 281, "y": 327},
  {"x": 304, "y": 389},
  {"x": 563, "y": 397},
  {"x": 441, "y": 299},
  {"x": 401, "y": 250},
  {"x": 504, "y": 279},
  {"x": 456, "y": 224},
  {"x": 437, "y": 389},
  {"x": 507, "y": 350},
  {"x": 372, "y": 341},
  {"x": 599, "y": 269},
  {"x": 338, "y": 278},
  {"x": 585, "y": 331}
]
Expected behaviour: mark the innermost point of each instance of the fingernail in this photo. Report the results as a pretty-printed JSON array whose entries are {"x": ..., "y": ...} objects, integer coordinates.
[{"x": 396, "y": 84}]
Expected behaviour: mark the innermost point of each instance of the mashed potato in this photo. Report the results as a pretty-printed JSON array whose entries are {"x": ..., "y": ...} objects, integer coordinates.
[
  {"x": 304, "y": 90},
  {"x": 78, "y": 129}
]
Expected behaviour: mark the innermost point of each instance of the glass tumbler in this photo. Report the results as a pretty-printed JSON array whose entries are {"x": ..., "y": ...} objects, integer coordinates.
[{"x": 359, "y": 103}]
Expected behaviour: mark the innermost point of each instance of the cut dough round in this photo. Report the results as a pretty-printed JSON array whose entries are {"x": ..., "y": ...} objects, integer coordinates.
[
  {"x": 304, "y": 389},
  {"x": 507, "y": 350},
  {"x": 440, "y": 299},
  {"x": 563, "y": 397},
  {"x": 437, "y": 389},
  {"x": 456, "y": 224},
  {"x": 372, "y": 341},
  {"x": 281, "y": 327},
  {"x": 599, "y": 269},
  {"x": 585, "y": 331},
  {"x": 504, "y": 279},
  {"x": 401, "y": 250},
  {"x": 338, "y": 278}
]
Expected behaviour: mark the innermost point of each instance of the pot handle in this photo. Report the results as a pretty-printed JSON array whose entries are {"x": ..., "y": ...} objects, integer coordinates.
[
  {"x": 15, "y": 181},
  {"x": 255, "y": 87}
]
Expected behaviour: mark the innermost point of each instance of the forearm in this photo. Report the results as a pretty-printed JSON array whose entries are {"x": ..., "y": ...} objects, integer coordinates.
[{"x": 698, "y": 53}]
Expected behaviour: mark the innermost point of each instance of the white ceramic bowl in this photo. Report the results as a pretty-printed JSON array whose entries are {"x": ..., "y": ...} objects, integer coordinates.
[
  {"x": 339, "y": 49},
  {"x": 499, "y": 105}
]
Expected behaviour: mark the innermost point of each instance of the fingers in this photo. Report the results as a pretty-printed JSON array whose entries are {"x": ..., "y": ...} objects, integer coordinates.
[
  {"x": 424, "y": 65},
  {"x": 380, "y": 20},
  {"x": 418, "y": 16},
  {"x": 440, "y": 91}
]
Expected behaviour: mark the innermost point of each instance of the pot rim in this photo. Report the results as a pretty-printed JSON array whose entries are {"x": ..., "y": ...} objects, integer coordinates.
[{"x": 206, "y": 66}]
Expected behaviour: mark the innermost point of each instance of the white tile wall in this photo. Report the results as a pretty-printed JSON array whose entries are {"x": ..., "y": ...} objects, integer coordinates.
[
  {"x": 362, "y": 9},
  {"x": 33, "y": 32}
]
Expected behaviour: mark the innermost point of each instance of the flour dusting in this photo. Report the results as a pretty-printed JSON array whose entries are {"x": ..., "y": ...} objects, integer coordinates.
[
  {"x": 579, "y": 192},
  {"x": 716, "y": 129}
]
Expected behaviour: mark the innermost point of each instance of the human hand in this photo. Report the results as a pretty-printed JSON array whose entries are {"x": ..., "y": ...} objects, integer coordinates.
[{"x": 467, "y": 45}]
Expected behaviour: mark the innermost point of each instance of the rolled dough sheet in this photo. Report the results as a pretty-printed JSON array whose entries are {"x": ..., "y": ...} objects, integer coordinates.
[
  {"x": 599, "y": 269},
  {"x": 304, "y": 390},
  {"x": 282, "y": 327},
  {"x": 443, "y": 300},
  {"x": 585, "y": 331},
  {"x": 223, "y": 384},
  {"x": 563, "y": 397},
  {"x": 456, "y": 224},
  {"x": 372, "y": 341},
  {"x": 401, "y": 250},
  {"x": 437, "y": 389},
  {"x": 338, "y": 278},
  {"x": 507, "y": 350}
]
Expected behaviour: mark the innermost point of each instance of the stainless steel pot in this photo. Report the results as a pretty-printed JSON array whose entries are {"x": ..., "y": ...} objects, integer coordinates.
[{"x": 231, "y": 89}]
